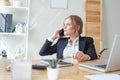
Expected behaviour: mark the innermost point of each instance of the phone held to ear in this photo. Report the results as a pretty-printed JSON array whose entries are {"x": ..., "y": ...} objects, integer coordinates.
[{"x": 61, "y": 32}]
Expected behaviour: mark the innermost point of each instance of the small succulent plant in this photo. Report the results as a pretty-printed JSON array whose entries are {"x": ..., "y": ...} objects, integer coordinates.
[{"x": 53, "y": 63}]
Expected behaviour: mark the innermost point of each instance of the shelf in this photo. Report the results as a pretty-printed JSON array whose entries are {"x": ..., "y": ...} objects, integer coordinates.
[
  {"x": 9, "y": 41},
  {"x": 12, "y": 9},
  {"x": 14, "y": 34}
]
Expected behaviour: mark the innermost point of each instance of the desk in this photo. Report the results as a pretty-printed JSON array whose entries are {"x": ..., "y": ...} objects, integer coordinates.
[{"x": 66, "y": 73}]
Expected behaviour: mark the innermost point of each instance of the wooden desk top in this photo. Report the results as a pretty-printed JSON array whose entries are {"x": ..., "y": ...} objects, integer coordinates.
[{"x": 66, "y": 73}]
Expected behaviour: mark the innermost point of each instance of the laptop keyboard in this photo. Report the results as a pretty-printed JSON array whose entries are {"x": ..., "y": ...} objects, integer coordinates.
[{"x": 102, "y": 66}]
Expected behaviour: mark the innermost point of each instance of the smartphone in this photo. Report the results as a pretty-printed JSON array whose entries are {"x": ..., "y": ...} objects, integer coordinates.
[{"x": 61, "y": 32}]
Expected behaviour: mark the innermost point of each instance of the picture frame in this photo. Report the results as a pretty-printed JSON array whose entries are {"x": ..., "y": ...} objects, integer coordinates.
[{"x": 60, "y": 4}]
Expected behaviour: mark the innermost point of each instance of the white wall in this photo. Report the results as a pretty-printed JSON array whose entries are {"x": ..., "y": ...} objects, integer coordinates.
[
  {"x": 44, "y": 20},
  {"x": 111, "y": 22}
]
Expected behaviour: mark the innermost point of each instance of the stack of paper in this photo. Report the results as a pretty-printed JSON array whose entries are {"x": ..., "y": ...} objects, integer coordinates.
[{"x": 103, "y": 77}]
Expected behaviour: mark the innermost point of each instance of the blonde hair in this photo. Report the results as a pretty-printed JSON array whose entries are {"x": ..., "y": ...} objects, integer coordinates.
[{"x": 77, "y": 21}]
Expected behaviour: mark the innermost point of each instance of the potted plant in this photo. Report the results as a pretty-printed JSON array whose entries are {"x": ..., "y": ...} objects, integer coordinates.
[
  {"x": 3, "y": 54},
  {"x": 53, "y": 69},
  {"x": 101, "y": 52}
]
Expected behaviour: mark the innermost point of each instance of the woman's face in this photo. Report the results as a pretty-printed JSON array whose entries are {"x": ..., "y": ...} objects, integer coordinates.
[{"x": 69, "y": 28}]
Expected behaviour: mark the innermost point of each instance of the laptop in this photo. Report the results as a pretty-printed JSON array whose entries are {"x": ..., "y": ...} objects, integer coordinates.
[{"x": 112, "y": 63}]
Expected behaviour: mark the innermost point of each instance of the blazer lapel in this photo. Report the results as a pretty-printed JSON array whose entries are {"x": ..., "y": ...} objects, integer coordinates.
[
  {"x": 62, "y": 47},
  {"x": 81, "y": 43}
]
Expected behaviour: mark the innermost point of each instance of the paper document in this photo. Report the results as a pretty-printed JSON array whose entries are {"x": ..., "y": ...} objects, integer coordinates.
[
  {"x": 103, "y": 77},
  {"x": 60, "y": 64}
]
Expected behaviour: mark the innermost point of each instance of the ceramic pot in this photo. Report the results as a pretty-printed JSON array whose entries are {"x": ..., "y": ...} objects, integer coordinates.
[{"x": 52, "y": 73}]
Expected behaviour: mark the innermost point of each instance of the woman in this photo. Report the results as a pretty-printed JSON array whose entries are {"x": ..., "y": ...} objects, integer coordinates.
[{"x": 76, "y": 46}]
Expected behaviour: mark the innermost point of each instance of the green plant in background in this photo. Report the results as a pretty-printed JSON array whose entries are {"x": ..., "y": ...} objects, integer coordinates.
[
  {"x": 3, "y": 54},
  {"x": 101, "y": 52}
]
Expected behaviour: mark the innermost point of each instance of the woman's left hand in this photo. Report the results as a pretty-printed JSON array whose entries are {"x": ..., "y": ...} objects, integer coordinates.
[{"x": 81, "y": 57}]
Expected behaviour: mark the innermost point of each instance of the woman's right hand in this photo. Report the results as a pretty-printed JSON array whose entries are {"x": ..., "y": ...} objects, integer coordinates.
[
  {"x": 81, "y": 57},
  {"x": 56, "y": 34}
]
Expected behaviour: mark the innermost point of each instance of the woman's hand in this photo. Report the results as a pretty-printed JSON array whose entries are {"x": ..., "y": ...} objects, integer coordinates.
[
  {"x": 81, "y": 57},
  {"x": 56, "y": 34}
]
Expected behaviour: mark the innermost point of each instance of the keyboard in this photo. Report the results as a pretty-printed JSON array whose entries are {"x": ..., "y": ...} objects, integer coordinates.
[{"x": 102, "y": 66}]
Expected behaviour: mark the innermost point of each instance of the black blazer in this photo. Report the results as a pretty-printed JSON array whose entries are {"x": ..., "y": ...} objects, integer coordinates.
[{"x": 85, "y": 44}]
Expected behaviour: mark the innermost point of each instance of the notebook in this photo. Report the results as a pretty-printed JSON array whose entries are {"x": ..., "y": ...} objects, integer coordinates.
[
  {"x": 112, "y": 64},
  {"x": 44, "y": 63},
  {"x": 60, "y": 63}
]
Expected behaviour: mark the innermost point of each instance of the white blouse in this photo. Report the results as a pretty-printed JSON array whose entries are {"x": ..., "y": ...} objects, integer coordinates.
[{"x": 70, "y": 50}]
